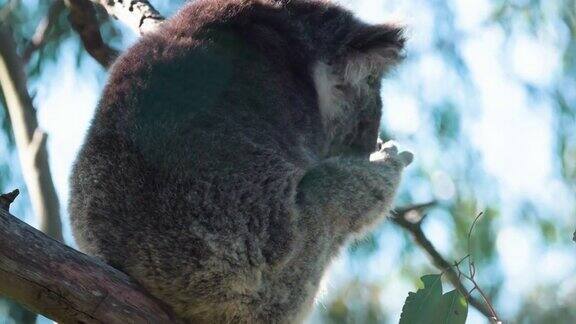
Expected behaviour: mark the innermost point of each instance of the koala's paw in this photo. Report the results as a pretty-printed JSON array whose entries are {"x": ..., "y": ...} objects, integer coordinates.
[{"x": 388, "y": 153}]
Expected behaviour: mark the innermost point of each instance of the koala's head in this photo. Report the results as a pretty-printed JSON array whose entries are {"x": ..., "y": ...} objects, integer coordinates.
[
  {"x": 349, "y": 100},
  {"x": 343, "y": 57},
  {"x": 350, "y": 59}
]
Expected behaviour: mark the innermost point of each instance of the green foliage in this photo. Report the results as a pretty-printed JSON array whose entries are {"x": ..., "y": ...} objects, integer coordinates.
[
  {"x": 429, "y": 306},
  {"x": 447, "y": 123},
  {"x": 357, "y": 302}
]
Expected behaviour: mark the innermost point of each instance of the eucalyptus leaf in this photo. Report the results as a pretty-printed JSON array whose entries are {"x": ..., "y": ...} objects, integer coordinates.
[
  {"x": 452, "y": 309},
  {"x": 429, "y": 306}
]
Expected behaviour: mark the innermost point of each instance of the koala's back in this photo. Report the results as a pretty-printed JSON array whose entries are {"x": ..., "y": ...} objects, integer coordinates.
[
  {"x": 227, "y": 161},
  {"x": 187, "y": 176}
]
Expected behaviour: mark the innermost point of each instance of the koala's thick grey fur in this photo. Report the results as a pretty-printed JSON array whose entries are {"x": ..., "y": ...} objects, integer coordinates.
[{"x": 228, "y": 159}]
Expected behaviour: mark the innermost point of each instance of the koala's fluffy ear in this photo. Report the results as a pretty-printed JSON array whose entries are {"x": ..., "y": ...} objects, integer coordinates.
[{"x": 373, "y": 50}]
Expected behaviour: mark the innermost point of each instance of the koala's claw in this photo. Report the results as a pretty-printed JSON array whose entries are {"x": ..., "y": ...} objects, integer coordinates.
[{"x": 389, "y": 150}]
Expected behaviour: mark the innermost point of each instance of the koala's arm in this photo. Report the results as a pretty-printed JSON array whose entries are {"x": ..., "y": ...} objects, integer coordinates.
[{"x": 351, "y": 194}]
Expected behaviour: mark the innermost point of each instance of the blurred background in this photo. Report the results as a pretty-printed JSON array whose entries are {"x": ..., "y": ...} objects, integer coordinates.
[{"x": 486, "y": 100}]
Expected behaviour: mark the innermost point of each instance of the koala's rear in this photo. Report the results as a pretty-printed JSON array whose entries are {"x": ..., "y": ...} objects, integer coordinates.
[{"x": 228, "y": 159}]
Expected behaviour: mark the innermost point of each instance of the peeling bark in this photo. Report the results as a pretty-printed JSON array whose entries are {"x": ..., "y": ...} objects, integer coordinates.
[{"x": 139, "y": 15}]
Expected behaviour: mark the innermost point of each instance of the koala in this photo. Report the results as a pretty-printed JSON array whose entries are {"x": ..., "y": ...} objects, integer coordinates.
[{"x": 228, "y": 161}]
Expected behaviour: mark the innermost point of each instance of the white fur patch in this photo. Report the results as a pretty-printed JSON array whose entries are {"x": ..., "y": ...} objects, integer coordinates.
[{"x": 329, "y": 97}]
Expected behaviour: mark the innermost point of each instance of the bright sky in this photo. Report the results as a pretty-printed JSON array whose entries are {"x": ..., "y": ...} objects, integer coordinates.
[{"x": 512, "y": 134}]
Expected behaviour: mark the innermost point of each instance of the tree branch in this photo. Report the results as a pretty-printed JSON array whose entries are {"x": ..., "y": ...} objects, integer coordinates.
[
  {"x": 65, "y": 285},
  {"x": 83, "y": 20},
  {"x": 402, "y": 218},
  {"x": 40, "y": 36},
  {"x": 139, "y": 15},
  {"x": 33, "y": 153}
]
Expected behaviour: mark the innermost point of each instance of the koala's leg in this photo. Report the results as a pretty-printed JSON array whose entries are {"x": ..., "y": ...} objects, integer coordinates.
[{"x": 351, "y": 194}]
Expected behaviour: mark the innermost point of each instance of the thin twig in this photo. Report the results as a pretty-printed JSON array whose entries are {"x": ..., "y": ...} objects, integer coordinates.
[
  {"x": 469, "y": 237},
  {"x": 439, "y": 261},
  {"x": 472, "y": 271},
  {"x": 494, "y": 317},
  {"x": 43, "y": 29}
]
